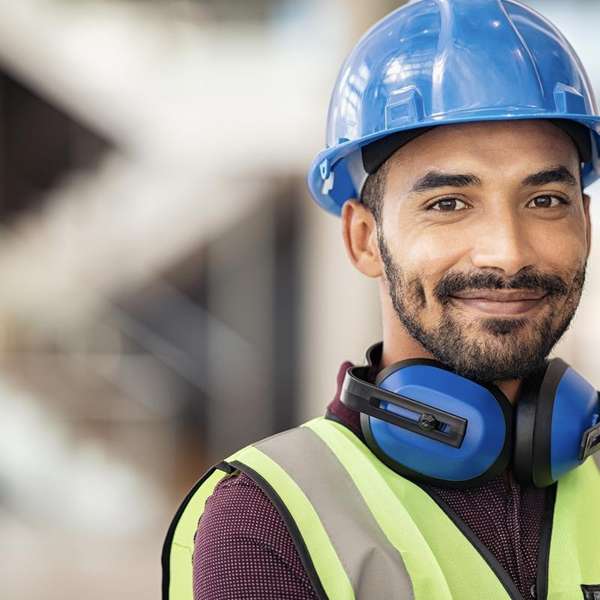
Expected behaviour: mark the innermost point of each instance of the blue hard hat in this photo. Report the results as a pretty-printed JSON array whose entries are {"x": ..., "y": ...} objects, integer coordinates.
[{"x": 436, "y": 62}]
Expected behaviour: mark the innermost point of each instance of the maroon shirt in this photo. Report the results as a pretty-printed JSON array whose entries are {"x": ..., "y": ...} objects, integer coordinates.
[{"x": 243, "y": 550}]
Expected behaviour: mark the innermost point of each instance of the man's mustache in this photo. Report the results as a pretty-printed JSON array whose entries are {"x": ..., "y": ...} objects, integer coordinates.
[{"x": 526, "y": 279}]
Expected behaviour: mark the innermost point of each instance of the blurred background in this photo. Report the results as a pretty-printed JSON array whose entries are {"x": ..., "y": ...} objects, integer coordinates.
[{"x": 169, "y": 292}]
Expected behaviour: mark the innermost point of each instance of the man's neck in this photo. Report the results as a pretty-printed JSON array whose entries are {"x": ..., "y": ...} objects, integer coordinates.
[{"x": 510, "y": 388}]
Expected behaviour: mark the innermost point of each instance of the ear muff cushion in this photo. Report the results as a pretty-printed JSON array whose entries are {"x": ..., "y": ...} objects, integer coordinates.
[
  {"x": 487, "y": 445},
  {"x": 574, "y": 411}
]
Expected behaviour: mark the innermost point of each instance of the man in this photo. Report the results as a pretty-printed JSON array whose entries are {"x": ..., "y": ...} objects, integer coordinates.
[{"x": 468, "y": 130}]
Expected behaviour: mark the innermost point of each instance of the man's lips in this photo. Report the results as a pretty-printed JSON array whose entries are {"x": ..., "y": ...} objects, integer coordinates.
[
  {"x": 500, "y": 295},
  {"x": 500, "y": 302}
]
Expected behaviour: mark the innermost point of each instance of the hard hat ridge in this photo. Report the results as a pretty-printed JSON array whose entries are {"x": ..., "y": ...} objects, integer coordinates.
[{"x": 436, "y": 62}]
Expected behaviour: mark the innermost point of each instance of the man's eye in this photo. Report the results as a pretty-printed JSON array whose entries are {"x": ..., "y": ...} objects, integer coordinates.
[
  {"x": 448, "y": 205},
  {"x": 547, "y": 201}
]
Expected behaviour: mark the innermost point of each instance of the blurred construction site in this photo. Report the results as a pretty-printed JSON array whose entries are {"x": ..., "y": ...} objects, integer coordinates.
[{"x": 168, "y": 290}]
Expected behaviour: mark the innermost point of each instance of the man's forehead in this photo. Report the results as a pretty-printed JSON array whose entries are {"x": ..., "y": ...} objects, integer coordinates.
[
  {"x": 485, "y": 150},
  {"x": 526, "y": 133}
]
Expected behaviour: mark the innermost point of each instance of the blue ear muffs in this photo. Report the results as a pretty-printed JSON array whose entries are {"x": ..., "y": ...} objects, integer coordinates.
[
  {"x": 556, "y": 424},
  {"x": 430, "y": 424}
]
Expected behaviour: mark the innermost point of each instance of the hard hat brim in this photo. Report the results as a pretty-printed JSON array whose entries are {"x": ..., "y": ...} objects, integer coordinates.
[{"x": 332, "y": 176}]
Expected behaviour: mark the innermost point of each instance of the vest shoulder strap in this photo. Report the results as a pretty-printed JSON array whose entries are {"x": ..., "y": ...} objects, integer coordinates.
[{"x": 343, "y": 549}]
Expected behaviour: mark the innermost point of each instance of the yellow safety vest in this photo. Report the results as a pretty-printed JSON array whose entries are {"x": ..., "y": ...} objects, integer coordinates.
[{"x": 364, "y": 532}]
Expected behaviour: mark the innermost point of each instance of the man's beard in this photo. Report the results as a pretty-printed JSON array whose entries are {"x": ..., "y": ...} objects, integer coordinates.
[{"x": 501, "y": 349}]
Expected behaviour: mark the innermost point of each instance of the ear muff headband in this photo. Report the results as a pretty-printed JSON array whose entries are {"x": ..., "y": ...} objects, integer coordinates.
[
  {"x": 403, "y": 411},
  {"x": 525, "y": 425},
  {"x": 534, "y": 416}
]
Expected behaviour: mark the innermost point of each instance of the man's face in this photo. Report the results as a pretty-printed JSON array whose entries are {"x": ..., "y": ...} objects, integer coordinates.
[{"x": 484, "y": 237}]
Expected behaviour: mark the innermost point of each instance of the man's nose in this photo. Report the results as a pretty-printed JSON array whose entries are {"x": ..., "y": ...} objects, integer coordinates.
[{"x": 502, "y": 242}]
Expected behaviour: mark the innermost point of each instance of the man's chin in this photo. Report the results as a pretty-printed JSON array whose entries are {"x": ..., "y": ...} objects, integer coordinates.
[
  {"x": 503, "y": 327},
  {"x": 495, "y": 358},
  {"x": 481, "y": 328}
]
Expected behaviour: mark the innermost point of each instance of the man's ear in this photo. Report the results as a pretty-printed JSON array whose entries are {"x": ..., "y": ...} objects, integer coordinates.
[
  {"x": 588, "y": 223},
  {"x": 359, "y": 230}
]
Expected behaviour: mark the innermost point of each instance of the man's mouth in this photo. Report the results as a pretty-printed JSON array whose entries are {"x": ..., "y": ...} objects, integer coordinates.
[{"x": 499, "y": 302}]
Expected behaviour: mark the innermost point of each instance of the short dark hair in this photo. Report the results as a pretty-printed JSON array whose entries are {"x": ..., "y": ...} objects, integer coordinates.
[{"x": 373, "y": 191}]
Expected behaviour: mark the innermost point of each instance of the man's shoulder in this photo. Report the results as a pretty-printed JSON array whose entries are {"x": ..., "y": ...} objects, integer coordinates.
[
  {"x": 238, "y": 511},
  {"x": 242, "y": 538},
  {"x": 238, "y": 501}
]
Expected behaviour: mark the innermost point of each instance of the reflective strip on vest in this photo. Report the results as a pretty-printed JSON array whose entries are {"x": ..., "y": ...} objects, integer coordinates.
[
  {"x": 373, "y": 565},
  {"x": 365, "y": 532},
  {"x": 316, "y": 550}
]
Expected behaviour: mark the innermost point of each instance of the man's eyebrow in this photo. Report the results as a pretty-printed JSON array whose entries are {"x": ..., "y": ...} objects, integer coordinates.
[
  {"x": 437, "y": 179},
  {"x": 559, "y": 174}
]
